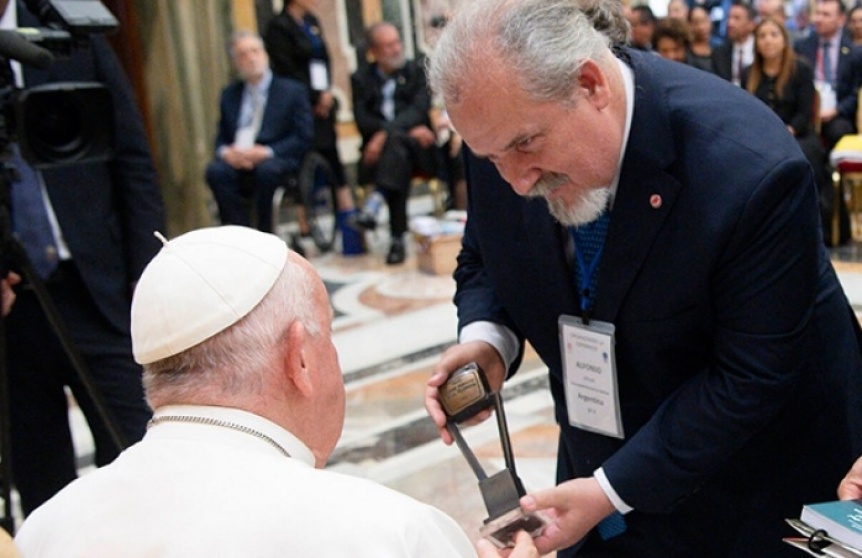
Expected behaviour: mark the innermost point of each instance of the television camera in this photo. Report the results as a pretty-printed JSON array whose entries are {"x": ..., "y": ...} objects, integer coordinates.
[
  {"x": 60, "y": 123},
  {"x": 54, "y": 125}
]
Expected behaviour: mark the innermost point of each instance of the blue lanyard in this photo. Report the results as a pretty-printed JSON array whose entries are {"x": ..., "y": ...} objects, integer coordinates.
[
  {"x": 313, "y": 34},
  {"x": 587, "y": 270}
]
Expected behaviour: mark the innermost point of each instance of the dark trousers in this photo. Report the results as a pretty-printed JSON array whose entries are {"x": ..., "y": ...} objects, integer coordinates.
[
  {"x": 834, "y": 130},
  {"x": 43, "y": 457},
  {"x": 402, "y": 156},
  {"x": 233, "y": 189},
  {"x": 326, "y": 143}
]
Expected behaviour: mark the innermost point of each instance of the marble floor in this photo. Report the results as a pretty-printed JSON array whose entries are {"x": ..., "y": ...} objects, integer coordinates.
[{"x": 392, "y": 323}]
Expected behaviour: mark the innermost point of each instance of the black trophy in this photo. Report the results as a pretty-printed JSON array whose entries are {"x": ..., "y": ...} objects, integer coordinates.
[{"x": 464, "y": 395}]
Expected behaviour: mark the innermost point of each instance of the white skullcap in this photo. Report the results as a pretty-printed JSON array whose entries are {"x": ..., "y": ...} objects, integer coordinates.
[{"x": 199, "y": 284}]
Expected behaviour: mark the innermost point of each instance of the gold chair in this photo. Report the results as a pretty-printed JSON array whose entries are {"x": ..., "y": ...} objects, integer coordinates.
[{"x": 846, "y": 160}]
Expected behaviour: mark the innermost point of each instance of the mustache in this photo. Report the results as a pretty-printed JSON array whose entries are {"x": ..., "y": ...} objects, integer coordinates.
[{"x": 546, "y": 184}]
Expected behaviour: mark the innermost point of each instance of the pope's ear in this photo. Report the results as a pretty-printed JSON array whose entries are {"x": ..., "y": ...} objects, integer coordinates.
[{"x": 295, "y": 363}]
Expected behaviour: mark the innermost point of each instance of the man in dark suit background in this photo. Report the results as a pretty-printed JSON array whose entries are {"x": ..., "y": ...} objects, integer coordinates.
[
  {"x": 104, "y": 216},
  {"x": 265, "y": 129},
  {"x": 837, "y": 70},
  {"x": 653, "y": 234},
  {"x": 643, "y": 22},
  {"x": 737, "y": 51},
  {"x": 391, "y": 106}
]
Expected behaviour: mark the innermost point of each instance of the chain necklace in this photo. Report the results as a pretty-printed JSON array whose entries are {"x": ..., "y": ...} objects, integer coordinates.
[{"x": 223, "y": 423}]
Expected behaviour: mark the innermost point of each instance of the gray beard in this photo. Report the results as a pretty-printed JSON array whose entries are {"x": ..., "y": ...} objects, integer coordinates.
[{"x": 585, "y": 210}]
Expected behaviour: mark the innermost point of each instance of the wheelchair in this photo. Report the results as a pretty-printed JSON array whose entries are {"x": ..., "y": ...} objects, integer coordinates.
[{"x": 310, "y": 195}]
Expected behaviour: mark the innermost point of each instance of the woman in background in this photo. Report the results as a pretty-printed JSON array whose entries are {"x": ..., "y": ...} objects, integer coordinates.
[
  {"x": 854, "y": 24},
  {"x": 294, "y": 41},
  {"x": 671, "y": 39},
  {"x": 785, "y": 82},
  {"x": 702, "y": 41}
]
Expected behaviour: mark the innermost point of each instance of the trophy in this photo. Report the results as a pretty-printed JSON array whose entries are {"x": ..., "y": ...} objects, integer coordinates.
[{"x": 464, "y": 395}]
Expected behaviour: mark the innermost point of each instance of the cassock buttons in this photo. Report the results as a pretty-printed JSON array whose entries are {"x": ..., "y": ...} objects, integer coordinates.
[{"x": 655, "y": 201}]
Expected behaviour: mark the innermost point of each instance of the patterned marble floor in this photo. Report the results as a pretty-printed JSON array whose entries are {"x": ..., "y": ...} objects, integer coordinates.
[{"x": 392, "y": 323}]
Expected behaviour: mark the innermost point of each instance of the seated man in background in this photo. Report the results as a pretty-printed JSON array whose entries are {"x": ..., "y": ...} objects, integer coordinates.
[
  {"x": 731, "y": 58},
  {"x": 643, "y": 21},
  {"x": 265, "y": 130},
  {"x": 837, "y": 68},
  {"x": 391, "y": 104},
  {"x": 234, "y": 334}
]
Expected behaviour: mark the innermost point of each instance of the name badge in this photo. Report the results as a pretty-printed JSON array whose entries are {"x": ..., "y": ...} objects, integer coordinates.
[
  {"x": 828, "y": 97},
  {"x": 589, "y": 369},
  {"x": 318, "y": 75},
  {"x": 245, "y": 137}
]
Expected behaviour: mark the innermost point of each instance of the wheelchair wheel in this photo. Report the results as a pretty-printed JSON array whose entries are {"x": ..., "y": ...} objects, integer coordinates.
[{"x": 317, "y": 187}]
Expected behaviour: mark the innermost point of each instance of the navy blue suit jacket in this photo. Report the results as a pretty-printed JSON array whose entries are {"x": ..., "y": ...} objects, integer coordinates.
[
  {"x": 722, "y": 60},
  {"x": 411, "y": 97},
  {"x": 287, "y": 125},
  {"x": 736, "y": 347},
  {"x": 849, "y": 71},
  {"x": 107, "y": 211}
]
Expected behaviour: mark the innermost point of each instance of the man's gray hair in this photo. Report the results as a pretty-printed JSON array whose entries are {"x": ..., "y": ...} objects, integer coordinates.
[
  {"x": 233, "y": 361},
  {"x": 608, "y": 17},
  {"x": 542, "y": 43},
  {"x": 237, "y": 36}
]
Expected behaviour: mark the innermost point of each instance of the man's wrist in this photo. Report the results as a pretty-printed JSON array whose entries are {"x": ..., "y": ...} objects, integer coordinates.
[
  {"x": 608, "y": 489},
  {"x": 496, "y": 335}
]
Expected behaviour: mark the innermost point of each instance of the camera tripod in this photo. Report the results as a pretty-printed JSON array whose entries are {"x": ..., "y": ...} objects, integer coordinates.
[{"x": 14, "y": 257}]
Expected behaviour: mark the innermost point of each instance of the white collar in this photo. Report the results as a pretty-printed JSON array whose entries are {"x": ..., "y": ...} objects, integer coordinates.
[
  {"x": 10, "y": 16},
  {"x": 628, "y": 77},
  {"x": 262, "y": 87},
  {"x": 282, "y": 437}
]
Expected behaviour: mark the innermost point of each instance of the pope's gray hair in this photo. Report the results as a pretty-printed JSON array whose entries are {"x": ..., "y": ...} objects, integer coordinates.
[
  {"x": 233, "y": 361},
  {"x": 541, "y": 43}
]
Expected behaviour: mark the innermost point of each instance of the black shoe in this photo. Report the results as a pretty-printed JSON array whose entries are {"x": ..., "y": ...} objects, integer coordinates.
[
  {"x": 396, "y": 253},
  {"x": 296, "y": 246},
  {"x": 363, "y": 220}
]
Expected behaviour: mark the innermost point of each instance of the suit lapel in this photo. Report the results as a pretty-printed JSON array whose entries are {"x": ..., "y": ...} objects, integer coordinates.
[
  {"x": 844, "y": 47},
  {"x": 272, "y": 103},
  {"x": 233, "y": 101},
  {"x": 645, "y": 195}
]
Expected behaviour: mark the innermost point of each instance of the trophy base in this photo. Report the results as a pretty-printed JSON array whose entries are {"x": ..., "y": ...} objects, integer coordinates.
[{"x": 502, "y": 530}]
